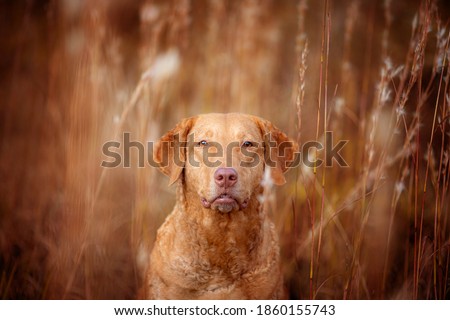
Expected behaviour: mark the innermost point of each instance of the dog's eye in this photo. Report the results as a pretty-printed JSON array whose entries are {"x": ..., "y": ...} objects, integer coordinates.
[
  {"x": 247, "y": 144},
  {"x": 203, "y": 143}
]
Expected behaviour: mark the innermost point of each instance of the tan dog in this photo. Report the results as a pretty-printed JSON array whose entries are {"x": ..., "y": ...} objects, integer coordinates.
[{"x": 218, "y": 243}]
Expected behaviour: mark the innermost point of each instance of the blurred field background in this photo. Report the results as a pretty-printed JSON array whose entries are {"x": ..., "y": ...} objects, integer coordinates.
[{"x": 76, "y": 74}]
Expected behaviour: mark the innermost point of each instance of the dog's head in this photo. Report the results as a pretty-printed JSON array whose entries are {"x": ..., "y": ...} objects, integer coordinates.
[{"x": 223, "y": 157}]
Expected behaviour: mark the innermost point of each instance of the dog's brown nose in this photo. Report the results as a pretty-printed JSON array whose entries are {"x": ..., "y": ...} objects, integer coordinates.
[{"x": 225, "y": 177}]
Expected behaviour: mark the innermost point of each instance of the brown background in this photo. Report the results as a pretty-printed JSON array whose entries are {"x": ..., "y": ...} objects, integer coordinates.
[{"x": 68, "y": 70}]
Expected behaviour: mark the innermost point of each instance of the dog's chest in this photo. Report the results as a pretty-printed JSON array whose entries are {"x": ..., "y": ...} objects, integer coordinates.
[{"x": 215, "y": 256}]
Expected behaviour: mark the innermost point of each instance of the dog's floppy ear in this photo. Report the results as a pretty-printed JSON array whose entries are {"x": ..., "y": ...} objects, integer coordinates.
[
  {"x": 170, "y": 150},
  {"x": 279, "y": 150}
]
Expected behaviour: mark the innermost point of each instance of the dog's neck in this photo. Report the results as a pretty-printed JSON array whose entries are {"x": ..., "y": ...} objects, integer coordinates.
[{"x": 239, "y": 234}]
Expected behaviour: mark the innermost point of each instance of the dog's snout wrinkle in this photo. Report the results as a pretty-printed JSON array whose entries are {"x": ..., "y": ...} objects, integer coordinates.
[{"x": 225, "y": 177}]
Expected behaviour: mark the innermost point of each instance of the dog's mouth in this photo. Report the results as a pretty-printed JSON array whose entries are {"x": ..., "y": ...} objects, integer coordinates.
[{"x": 225, "y": 203}]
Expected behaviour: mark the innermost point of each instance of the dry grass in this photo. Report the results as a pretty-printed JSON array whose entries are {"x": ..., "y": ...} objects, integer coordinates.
[{"x": 374, "y": 73}]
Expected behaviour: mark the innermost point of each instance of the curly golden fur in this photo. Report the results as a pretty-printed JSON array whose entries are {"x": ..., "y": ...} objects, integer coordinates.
[{"x": 218, "y": 243}]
